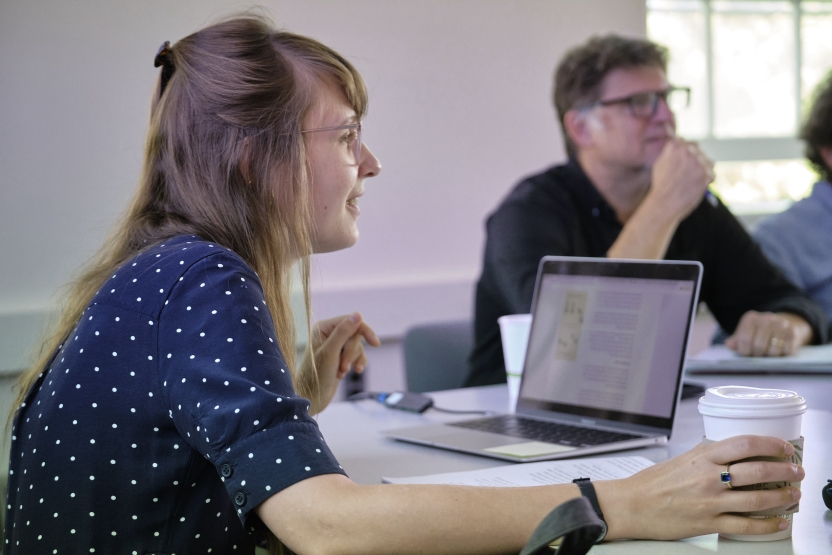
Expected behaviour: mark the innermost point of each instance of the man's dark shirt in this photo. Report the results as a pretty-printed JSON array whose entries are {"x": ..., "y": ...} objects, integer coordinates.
[{"x": 559, "y": 212}]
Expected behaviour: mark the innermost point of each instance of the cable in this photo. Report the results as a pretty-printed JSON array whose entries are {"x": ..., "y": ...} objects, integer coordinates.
[
  {"x": 434, "y": 407},
  {"x": 426, "y": 402},
  {"x": 361, "y": 395}
]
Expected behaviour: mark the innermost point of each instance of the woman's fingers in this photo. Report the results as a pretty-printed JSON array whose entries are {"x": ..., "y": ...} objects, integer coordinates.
[
  {"x": 341, "y": 343},
  {"x": 742, "y": 447},
  {"x": 759, "y": 472},
  {"x": 757, "y": 500},
  {"x": 361, "y": 363},
  {"x": 733, "y": 524},
  {"x": 342, "y": 331},
  {"x": 342, "y": 328},
  {"x": 322, "y": 330},
  {"x": 367, "y": 332},
  {"x": 352, "y": 352}
]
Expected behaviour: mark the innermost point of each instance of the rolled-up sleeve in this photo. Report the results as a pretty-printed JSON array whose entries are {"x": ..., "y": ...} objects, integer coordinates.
[{"x": 227, "y": 385}]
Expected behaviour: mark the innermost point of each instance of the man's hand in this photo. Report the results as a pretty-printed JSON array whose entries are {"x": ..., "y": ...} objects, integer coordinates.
[
  {"x": 770, "y": 334},
  {"x": 338, "y": 346},
  {"x": 681, "y": 176}
]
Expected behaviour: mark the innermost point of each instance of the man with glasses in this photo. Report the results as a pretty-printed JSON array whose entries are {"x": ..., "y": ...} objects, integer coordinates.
[{"x": 631, "y": 189}]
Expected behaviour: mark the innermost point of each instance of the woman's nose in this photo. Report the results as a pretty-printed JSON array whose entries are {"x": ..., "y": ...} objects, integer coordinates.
[{"x": 370, "y": 166}]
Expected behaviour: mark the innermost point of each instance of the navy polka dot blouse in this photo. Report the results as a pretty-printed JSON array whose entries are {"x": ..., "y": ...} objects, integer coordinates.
[{"x": 166, "y": 417}]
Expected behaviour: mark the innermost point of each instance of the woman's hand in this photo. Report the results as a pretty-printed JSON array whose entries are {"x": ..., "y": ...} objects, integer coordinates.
[
  {"x": 685, "y": 497},
  {"x": 338, "y": 346}
]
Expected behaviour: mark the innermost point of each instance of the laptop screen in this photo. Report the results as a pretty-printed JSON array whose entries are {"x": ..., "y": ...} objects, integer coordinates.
[{"x": 608, "y": 338}]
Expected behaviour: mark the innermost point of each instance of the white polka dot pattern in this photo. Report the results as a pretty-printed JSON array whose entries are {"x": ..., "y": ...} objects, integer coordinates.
[{"x": 168, "y": 402}]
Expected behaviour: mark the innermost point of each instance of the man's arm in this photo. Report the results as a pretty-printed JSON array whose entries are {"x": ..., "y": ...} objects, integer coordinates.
[
  {"x": 647, "y": 234},
  {"x": 680, "y": 178}
]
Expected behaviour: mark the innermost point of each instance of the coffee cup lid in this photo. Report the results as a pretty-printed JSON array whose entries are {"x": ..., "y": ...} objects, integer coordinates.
[{"x": 738, "y": 401}]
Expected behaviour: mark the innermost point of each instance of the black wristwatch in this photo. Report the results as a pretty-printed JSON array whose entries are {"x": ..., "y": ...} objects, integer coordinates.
[{"x": 588, "y": 491}]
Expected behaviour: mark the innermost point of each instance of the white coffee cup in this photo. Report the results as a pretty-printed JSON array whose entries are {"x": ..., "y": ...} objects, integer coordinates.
[
  {"x": 514, "y": 334},
  {"x": 733, "y": 410}
]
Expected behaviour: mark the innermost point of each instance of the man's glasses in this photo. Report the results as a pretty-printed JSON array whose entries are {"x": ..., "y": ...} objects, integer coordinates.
[
  {"x": 353, "y": 138},
  {"x": 644, "y": 105}
]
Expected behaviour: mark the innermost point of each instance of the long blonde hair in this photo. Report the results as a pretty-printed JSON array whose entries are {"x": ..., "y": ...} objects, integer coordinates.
[{"x": 225, "y": 160}]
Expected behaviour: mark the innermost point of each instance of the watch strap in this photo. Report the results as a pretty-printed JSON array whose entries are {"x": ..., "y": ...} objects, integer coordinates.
[
  {"x": 588, "y": 491},
  {"x": 572, "y": 526}
]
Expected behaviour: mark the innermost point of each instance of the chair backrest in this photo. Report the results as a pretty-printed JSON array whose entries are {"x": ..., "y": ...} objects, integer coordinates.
[{"x": 436, "y": 355}]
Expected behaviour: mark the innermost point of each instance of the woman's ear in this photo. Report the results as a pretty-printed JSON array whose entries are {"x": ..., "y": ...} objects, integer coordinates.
[{"x": 579, "y": 126}]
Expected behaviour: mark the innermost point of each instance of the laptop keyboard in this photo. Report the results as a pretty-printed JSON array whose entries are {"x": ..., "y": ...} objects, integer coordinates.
[{"x": 549, "y": 432}]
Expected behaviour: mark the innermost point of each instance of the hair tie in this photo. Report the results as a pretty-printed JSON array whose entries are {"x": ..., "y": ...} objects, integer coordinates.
[{"x": 163, "y": 59}]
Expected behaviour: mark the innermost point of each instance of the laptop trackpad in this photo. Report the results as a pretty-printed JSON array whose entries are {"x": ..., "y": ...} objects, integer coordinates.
[
  {"x": 529, "y": 449},
  {"x": 476, "y": 440}
]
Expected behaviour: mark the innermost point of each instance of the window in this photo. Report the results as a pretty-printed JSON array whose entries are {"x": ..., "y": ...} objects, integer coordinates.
[{"x": 750, "y": 65}]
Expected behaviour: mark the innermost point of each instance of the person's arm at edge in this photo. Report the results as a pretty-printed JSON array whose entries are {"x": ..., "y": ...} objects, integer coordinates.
[
  {"x": 677, "y": 498},
  {"x": 780, "y": 250}
]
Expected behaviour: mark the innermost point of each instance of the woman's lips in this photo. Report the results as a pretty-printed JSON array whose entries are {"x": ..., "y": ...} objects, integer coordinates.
[{"x": 352, "y": 205}]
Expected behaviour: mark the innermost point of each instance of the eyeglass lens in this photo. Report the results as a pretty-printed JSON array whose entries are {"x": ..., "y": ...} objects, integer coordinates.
[
  {"x": 357, "y": 145},
  {"x": 353, "y": 136},
  {"x": 646, "y": 104}
]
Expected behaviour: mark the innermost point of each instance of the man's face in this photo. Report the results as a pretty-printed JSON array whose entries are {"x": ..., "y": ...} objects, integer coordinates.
[{"x": 618, "y": 137}]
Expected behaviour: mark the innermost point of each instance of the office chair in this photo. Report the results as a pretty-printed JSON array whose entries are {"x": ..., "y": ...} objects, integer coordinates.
[{"x": 436, "y": 355}]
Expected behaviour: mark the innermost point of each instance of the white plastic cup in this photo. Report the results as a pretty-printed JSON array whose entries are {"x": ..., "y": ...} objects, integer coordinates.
[
  {"x": 733, "y": 410},
  {"x": 514, "y": 334}
]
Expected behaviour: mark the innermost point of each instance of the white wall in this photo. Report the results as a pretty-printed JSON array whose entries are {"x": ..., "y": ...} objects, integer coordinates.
[{"x": 459, "y": 110}]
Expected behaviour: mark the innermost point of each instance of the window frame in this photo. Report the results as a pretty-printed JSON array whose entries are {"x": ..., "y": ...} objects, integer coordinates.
[{"x": 750, "y": 148}]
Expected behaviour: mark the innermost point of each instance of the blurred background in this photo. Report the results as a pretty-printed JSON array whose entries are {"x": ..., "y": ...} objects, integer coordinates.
[
  {"x": 459, "y": 111},
  {"x": 751, "y": 65}
]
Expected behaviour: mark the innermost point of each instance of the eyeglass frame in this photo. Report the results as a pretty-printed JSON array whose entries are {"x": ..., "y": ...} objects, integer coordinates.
[
  {"x": 356, "y": 126},
  {"x": 628, "y": 100}
]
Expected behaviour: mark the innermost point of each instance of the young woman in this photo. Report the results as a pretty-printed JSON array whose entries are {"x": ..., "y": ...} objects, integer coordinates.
[{"x": 167, "y": 413}]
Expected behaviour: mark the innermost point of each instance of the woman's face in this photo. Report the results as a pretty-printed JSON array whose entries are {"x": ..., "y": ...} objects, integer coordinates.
[{"x": 337, "y": 178}]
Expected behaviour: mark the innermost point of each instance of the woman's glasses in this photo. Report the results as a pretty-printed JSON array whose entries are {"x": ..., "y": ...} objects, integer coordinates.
[{"x": 354, "y": 138}]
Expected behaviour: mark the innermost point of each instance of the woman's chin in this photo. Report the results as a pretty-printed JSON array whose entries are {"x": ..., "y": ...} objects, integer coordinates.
[{"x": 334, "y": 244}]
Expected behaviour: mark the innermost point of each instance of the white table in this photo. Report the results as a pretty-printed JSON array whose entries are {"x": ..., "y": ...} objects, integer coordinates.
[{"x": 352, "y": 430}]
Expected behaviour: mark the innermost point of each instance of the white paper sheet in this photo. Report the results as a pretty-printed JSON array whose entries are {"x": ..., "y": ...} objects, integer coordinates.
[
  {"x": 815, "y": 358},
  {"x": 535, "y": 474}
]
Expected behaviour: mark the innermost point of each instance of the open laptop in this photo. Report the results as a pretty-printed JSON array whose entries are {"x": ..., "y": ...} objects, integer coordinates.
[{"x": 603, "y": 367}]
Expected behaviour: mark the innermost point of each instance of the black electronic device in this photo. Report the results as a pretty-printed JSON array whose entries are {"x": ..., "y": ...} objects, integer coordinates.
[
  {"x": 405, "y": 400},
  {"x": 692, "y": 389},
  {"x": 827, "y": 494}
]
